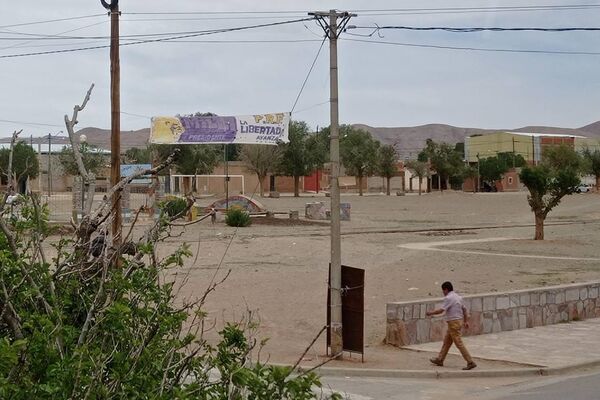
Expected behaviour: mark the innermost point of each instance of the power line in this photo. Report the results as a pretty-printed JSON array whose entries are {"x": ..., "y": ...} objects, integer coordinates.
[
  {"x": 245, "y": 18},
  {"x": 301, "y": 12},
  {"x": 547, "y": 7},
  {"x": 61, "y": 33},
  {"x": 203, "y": 33},
  {"x": 311, "y": 107},
  {"x": 52, "y": 20},
  {"x": 136, "y": 115},
  {"x": 482, "y": 49},
  {"x": 312, "y": 66},
  {"x": 481, "y": 9},
  {"x": 28, "y": 123},
  {"x": 474, "y": 29}
]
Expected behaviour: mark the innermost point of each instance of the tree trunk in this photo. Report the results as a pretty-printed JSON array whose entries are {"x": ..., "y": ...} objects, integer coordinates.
[
  {"x": 296, "y": 186},
  {"x": 388, "y": 185},
  {"x": 186, "y": 185},
  {"x": 429, "y": 179},
  {"x": 403, "y": 176},
  {"x": 420, "y": 184},
  {"x": 410, "y": 184},
  {"x": 539, "y": 227},
  {"x": 439, "y": 183},
  {"x": 360, "y": 189},
  {"x": 261, "y": 180},
  {"x": 447, "y": 183}
]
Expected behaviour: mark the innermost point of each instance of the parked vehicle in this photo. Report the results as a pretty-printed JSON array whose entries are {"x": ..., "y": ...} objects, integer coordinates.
[{"x": 584, "y": 188}]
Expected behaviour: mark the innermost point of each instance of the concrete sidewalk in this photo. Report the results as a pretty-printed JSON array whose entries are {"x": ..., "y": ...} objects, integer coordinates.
[
  {"x": 552, "y": 346},
  {"x": 554, "y": 349}
]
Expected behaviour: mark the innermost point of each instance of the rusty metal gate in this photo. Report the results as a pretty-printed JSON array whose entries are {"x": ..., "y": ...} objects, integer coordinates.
[{"x": 353, "y": 310}]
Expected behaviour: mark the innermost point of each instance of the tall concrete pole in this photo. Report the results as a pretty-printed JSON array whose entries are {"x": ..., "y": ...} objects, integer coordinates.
[
  {"x": 115, "y": 135},
  {"x": 329, "y": 22},
  {"x": 335, "y": 280}
]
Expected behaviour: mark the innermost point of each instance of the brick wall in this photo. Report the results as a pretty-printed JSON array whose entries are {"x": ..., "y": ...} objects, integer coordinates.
[{"x": 495, "y": 312}]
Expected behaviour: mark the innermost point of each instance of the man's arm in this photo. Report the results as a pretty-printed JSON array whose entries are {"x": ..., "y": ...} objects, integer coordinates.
[
  {"x": 435, "y": 312},
  {"x": 465, "y": 317}
]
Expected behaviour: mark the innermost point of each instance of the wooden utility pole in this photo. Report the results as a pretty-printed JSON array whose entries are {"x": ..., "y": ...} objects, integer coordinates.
[
  {"x": 329, "y": 23},
  {"x": 115, "y": 116}
]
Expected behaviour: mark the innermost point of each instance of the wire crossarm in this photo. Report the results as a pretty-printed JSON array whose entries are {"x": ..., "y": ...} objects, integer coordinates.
[{"x": 322, "y": 18}]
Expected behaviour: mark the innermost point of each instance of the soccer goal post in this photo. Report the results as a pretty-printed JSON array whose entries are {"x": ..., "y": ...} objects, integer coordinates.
[{"x": 208, "y": 184}]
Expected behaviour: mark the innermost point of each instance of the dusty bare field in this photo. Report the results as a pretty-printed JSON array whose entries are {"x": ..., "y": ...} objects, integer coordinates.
[{"x": 280, "y": 271}]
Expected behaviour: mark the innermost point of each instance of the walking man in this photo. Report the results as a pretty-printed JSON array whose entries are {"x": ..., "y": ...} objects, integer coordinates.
[{"x": 456, "y": 317}]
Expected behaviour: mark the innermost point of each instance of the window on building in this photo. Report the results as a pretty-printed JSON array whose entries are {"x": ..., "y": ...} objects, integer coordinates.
[{"x": 510, "y": 180}]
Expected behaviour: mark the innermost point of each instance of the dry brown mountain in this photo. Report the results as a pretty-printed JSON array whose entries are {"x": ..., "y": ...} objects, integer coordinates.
[{"x": 410, "y": 140}]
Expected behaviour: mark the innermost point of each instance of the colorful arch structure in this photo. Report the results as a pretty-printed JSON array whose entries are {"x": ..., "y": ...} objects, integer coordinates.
[{"x": 241, "y": 201}]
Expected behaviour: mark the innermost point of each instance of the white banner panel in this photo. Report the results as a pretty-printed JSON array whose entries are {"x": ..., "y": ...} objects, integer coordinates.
[{"x": 247, "y": 129}]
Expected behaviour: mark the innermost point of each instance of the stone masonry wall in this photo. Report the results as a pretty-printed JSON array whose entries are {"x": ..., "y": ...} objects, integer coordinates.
[{"x": 495, "y": 312}]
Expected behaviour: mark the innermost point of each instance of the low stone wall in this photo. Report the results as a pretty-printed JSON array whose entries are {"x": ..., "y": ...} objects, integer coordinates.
[{"x": 495, "y": 312}]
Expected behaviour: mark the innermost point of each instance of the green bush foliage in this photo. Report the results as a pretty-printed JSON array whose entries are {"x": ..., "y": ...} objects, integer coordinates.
[
  {"x": 238, "y": 217},
  {"x": 78, "y": 326},
  {"x": 173, "y": 207}
]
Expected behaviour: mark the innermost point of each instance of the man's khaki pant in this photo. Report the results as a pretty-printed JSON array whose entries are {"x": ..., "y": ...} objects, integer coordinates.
[{"x": 454, "y": 335}]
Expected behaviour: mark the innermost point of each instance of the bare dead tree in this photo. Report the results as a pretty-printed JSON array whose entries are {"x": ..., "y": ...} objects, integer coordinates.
[
  {"x": 9, "y": 172},
  {"x": 89, "y": 179}
]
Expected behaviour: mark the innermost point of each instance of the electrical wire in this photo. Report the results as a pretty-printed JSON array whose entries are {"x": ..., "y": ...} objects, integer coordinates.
[
  {"x": 136, "y": 115},
  {"x": 311, "y": 107},
  {"x": 435, "y": 10},
  {"x": 204, "y": 33},
  {"x": 476, "y": 29},
  {"x": 29, "y": 123},
  {"x": 20, "y": 45},
  {"x": 269, "y": 12},
  {"x": 310, "y": 70},
  {"x": 482, "y": 49},
  {"x": 53, "y": 20}
]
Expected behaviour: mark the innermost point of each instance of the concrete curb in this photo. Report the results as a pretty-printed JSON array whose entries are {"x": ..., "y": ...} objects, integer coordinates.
[{"x": 450, "y": 374}]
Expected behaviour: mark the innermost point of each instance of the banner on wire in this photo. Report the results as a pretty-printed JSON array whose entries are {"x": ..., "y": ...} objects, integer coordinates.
[{"x": 248, "y": 129}]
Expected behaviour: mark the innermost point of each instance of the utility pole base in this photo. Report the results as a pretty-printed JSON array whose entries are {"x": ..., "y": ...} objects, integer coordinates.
[{"x": 337, "y": 350}]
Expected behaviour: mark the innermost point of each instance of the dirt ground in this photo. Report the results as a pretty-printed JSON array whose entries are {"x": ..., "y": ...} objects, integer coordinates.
[{"x": 407, "y": 245}]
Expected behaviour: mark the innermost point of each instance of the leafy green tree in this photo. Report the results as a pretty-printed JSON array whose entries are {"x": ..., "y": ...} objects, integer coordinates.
[
  {"x": 93, "y": 159},
  {"x": 297, "y": 156},
  {"x": 25, "y": 163},
  {"x": 592, "y": 164},
  {"x": 358, "y": 151},
  {"x": 138, "y": 155},
  {"x": 387, "y": 164},
  {"x": 492, "y": 169},
  {"x": 260, "y": 159},
  {"x": 558, "y": 175},
  {"x": 470, "y": 172},
  {"x": 420, "y": 169},
  {"x": 445, "y": 160},
  {"x": 512, "y": 160}
]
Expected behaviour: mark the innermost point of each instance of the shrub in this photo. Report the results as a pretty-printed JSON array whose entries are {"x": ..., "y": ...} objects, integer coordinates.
[
  {"x": 173, "y": 206},
  {"x": 238, "y": 217},
  {"x": 75, "y": 327}
]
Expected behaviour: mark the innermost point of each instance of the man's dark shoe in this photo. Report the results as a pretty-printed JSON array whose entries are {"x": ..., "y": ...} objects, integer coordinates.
[
  {"x": 437, "y": 362},
  {"x": 469, "y": 366}
]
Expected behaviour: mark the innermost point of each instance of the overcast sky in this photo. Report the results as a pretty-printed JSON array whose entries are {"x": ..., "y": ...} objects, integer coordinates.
[{"x": 380, "y": 85}]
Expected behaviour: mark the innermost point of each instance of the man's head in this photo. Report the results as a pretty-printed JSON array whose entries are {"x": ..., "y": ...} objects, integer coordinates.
[{"x": 447, "y": 287}]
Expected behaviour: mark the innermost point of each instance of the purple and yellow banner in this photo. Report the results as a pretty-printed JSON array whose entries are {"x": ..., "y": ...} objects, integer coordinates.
[{"x": 249, "y": 129}]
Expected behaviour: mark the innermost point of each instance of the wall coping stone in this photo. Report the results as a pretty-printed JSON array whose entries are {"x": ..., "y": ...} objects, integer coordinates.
[{"x": 495, "y": 294}]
